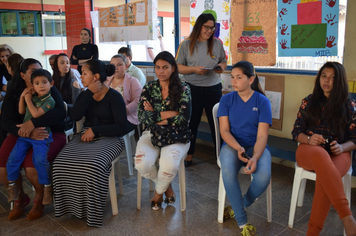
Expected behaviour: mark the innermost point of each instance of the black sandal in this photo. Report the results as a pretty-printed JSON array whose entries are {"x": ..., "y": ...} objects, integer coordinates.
[{"x": 156, "y": 206}]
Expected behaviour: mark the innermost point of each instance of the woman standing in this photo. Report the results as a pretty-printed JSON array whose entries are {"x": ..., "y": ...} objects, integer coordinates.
[
  {"x": 164, "y": 109},
  {"x": 81, "y": 170},
  {"x": 129, "y": 87},
  {"x": 327, "y": 113},
  {"x": 245, "y": 140},
  {"x": 34, "y": 129},
  {"x": 201, "y": 59},
  {"x": 85, "y": 51},
  {"x": 64, "y": 80},
  {"x": 5, "y": 52}
]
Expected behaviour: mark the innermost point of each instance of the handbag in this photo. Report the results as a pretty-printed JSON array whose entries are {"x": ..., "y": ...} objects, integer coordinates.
[{"x": 163, "y": 135}]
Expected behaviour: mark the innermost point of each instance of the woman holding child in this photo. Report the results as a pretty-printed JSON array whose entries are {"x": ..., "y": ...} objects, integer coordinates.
[
  {"x": 81, "y": 170},
  {"x": 34, "y": 129}
]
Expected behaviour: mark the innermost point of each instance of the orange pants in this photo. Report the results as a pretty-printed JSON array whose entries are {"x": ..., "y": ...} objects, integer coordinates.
[{"x": 329, "y": 188}]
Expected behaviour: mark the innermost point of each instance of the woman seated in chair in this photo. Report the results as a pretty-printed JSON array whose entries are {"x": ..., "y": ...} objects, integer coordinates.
[
  {"x": 129, "y": 87},
  {"x": 245, "y": 117},
  {"x": 11, "y": 121},
  {"x": 81, "y": 170},
  {"x": 325, "y": 129},
  {"x": 164, "y": 109}
]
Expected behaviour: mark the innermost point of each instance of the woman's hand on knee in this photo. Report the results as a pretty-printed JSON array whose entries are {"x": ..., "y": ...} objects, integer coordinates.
[
  {"x": 25, "y": 129},
  {"x": 316, "y": 139},
  {"x": 336, "y": 148},
  {"x": 39, "y": 134},
  {"x": 88, "y": 135}
]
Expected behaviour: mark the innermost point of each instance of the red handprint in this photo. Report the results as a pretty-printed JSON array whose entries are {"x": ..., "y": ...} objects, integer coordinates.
[
  {"x": 227, "y": 55},
  {"x": 287, "y": 1},
  {"x": 330, "y": 3},
  {"x": 283, "y": 29},
  {"x": 193, "y": 3},
  {"x": 330, "y": 19},
  {"x": 283, "y": 44},
  {"x": 329, "y": 41},
  {"x": 283, "y": 12},
  {"x": 225, "y": 25}
]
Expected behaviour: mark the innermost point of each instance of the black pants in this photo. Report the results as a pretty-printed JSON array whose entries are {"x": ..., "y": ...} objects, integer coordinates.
[{"x": 203, "y": 97}]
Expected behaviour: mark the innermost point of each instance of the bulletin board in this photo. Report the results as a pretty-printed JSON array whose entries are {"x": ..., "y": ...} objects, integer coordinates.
[
  {"x": 274, "y": 90},
  {"x": 308, "y": 28},
  {"x": 253, "y": 31},
  {"x": 129, "y": 22}
]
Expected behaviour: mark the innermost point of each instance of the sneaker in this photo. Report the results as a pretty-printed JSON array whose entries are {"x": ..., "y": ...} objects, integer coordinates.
[
  {"x": 13, "y": 192},
  {"x": 19, "y": 205},
  {"x": 47, "y": 196},
  {"x": 249, "y": 230},
  {"x": 228, "y": 212}
]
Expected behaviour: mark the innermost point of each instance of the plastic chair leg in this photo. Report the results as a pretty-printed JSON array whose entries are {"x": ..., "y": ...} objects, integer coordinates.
[
  {"x": 112, "y": 190},
  {"x": 300, "y": 201},
  {"x": 269, "y": 201},
  {"x": 295, "y": 193},
  {"x": 181, "y": 175},
  {"x": 139, "y": 190},
  {"x": 128, "y": 153},
  {"x": 221, "y": 199}
]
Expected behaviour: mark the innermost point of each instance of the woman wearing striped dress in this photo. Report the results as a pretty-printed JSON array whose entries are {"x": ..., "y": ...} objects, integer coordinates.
[{"x": 81, "y": 170}]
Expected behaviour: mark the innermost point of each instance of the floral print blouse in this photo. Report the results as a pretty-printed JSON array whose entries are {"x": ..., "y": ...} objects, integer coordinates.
[
  {"x": 151, "y": 92},
  {"x": 322, "y": 128}
]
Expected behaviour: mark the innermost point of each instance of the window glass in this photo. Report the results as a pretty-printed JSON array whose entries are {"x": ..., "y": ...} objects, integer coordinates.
[
  {"x": 39, "y": 24},
  {"x": 9, "y": 23},
  {"x": 60, "y": 24},
  {"x": 27, "y": 23}
]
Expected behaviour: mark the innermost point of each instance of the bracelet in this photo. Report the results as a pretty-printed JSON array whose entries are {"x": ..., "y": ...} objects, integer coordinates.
[{"x": 308, "y": 138}]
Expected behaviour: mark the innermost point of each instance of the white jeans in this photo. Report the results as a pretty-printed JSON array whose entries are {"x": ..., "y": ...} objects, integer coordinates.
[{"x": 170, "y": 158}]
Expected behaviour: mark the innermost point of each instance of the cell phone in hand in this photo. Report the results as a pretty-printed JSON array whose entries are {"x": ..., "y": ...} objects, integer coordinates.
[
  {"x": 218, "y": 68},
  {"x": 245, "y": 155}
]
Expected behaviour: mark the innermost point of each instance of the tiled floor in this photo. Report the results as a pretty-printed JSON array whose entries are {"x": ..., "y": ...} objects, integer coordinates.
[{"x": 200, "y": 217}]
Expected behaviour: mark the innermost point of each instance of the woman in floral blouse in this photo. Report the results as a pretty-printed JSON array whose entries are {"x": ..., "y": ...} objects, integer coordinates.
[
  {"x": 164, "y": 109},
  {"x": 327, "y": 116}
]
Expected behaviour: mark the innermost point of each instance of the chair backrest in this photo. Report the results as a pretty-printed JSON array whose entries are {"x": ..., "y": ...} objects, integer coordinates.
[{"x": 217, "y": 130}]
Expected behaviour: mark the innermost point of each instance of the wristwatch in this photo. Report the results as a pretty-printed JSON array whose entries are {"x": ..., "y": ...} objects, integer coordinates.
[{"x": 308, "y": 138}]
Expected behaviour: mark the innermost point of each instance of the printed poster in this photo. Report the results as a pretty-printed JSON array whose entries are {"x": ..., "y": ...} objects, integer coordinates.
[
  {"x": 128, "y": 22},
  {"x": 220, "y": 9},
  {"x": 308, "y": 27},
  {"x": 254, "y": 31}
]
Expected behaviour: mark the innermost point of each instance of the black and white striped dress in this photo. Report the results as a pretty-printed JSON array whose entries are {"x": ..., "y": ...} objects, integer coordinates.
[{"x": 81, "y": 177}]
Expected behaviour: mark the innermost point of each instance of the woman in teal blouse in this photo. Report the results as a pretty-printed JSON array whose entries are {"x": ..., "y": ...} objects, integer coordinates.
[{"x": 164, "y": 109}]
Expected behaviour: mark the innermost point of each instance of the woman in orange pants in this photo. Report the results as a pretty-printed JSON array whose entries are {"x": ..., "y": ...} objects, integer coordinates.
[{"x": 326, "y": 130}]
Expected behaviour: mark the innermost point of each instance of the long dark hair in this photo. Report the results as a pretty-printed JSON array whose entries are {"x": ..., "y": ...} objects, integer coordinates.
[
  {"x": 175, "y": 88},
  {"x": 17, "y": 84},
  {"x": 248, "y": 70},
  {"x": 99, "y": 67},
  {"x": 194, "y": 35},
  {"x": 14, "y": 61},
  {"x": 335, "y": 107},
  {"x": 65, "y": 90}
]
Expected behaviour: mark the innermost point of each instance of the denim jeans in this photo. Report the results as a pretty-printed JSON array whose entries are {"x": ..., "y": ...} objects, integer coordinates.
[{"x": 230, "y": 166}]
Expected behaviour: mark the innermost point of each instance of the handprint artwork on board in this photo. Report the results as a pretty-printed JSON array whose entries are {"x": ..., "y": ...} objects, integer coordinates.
[
  {"x": 283, "y": 44},
  {"x": 330, "y": 41},
  {"x": 283, "y": 29},
  {"x": 225, "y": 24},
  {"x": 193, "y": 20},
  {"x": 330, "y": 3},
  {"x": 193, "y": 3},
  {"x": 283, "y": 12},
  {"x": 330, "y": 19}
]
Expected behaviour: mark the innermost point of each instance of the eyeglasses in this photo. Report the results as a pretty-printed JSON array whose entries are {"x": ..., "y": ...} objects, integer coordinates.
[{"x": 207, "y": 27}]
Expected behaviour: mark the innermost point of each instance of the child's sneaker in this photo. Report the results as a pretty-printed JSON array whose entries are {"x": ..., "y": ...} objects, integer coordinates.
[
  {"x": 228, "y": 212},
  {"x": 249, "y": 230},
  {"x": 47, "y": 196},
  {"x": 13, "y": 192}
]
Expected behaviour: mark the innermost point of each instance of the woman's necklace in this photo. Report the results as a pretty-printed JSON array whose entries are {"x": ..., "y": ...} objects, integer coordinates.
[{"x": 84, "y": 47}]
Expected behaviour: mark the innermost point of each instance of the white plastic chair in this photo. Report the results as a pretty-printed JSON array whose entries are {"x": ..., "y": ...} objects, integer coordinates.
[
  {"x": 300, "y": 178},
  {"x": 70, "y": 132},
  {"x": 222, "y": 192},
  {"x": 129, "y": 139},
  {"x": 181, "y": 176}
]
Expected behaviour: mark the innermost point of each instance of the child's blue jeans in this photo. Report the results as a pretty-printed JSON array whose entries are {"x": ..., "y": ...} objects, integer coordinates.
[
  {"x": 230, "y": 166},
  {"x": 39, "y": 158}
]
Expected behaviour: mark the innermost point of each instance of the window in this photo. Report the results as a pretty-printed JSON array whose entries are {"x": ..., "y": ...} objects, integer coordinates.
[
  {"x": 9, "y": 23},
  {"x": 23, "y": 23}
]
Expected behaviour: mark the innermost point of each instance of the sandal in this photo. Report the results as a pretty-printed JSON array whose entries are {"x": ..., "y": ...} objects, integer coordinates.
[
  {"x": 171, "y": 199},
  {"x": 19, "y": 205},
  {"x": 36, "y": 211},
  {"x": 156, "y": 206}
]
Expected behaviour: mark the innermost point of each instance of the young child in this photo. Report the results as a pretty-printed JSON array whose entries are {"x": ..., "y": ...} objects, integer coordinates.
[{"x": 33, "y": 106}]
